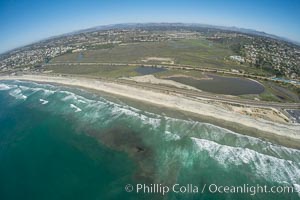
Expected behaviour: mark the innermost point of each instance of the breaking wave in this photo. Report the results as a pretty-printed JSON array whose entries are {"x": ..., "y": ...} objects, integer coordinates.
[
  {"x": 270, "y": 168},
  {"x": 75, "y": 107},
  {"x": 17, "y": 93},
  {"x": 43, "y": 101},
  {"x": 229, "y": 149}
]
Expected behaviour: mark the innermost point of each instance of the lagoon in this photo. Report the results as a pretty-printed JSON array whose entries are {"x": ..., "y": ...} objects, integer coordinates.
[{"x": 222, "y": 85}]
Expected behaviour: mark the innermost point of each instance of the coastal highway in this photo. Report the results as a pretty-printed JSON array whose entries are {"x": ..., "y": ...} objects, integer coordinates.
[{"x": 208, "y": 96}]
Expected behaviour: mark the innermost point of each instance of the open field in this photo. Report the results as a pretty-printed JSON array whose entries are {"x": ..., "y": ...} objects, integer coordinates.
[
  {"x": 192, "y": 52},
  {"x": 116, "y": 61},
  {"x": 198, "y": 53},
  {"x": 201, "y": 53}
]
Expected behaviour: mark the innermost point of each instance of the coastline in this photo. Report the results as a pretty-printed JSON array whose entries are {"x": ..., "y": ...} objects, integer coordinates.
[{"x": 286, "y": 134}]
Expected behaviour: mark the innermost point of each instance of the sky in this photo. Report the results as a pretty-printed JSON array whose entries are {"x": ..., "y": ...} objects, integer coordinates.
[{"x": 23, "y": 22}]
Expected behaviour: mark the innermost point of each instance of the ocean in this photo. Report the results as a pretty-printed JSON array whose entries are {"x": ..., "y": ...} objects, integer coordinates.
[{"x": 64, "y": 143}]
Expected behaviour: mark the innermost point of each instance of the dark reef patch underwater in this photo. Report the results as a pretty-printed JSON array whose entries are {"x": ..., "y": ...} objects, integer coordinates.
[{"x": 63, "y": 143}]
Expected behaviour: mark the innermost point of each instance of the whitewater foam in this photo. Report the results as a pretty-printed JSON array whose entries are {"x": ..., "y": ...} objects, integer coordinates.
[
  {"x": 77, "y": 109},
  {"x": 172, "y": 136},
  {"x": 27, "y": 88},
  {"x": 269, "y": 167},
  {"x": 229, "y": 149},
  {"x": 4, "y": 87},
  {"x": 17, "y": 93},
  {"x": 43, "y": 101},
  {"x": 297, "y": 188},
  {"x": 81, "y": 101}
]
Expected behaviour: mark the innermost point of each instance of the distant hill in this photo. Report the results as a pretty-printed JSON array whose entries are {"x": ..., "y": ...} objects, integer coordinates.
[{"x": 164, "y": 24}]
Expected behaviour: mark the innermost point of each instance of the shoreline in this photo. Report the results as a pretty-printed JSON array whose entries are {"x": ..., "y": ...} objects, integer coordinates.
[{"x": 284, "y": 134}]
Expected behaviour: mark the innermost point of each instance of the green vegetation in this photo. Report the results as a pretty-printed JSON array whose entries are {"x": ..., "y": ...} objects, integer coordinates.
[
  {"x": 104, "y": 71},
  {"x": 200, "y": 53},
  {"x": 195, "y": 52},
  {"x": 276, "y": 92}
]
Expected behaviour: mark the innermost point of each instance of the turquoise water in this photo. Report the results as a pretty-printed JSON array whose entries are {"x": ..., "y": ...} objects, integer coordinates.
[{"x": 62, "y": 143}]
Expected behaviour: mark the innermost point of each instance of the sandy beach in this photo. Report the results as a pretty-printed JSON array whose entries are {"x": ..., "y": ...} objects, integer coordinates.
[
  {"x": 286, "y": 130},
  {"x": 153, "y": 80}
]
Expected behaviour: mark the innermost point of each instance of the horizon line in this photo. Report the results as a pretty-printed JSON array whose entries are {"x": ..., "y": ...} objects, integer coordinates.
[{"x": 286, "y": 39}]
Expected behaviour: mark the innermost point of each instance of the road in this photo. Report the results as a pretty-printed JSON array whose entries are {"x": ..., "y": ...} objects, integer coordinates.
[{"x": 177, "y": 67}]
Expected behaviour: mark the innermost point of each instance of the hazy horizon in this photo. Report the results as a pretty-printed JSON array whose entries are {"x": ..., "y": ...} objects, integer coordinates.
[
  {"x": 27, "y": 22},
  {"x": 78, "y": 30}
]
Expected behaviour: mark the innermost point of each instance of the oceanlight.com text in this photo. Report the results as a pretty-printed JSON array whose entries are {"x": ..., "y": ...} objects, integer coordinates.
[{"x": 209, "y": 188}]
